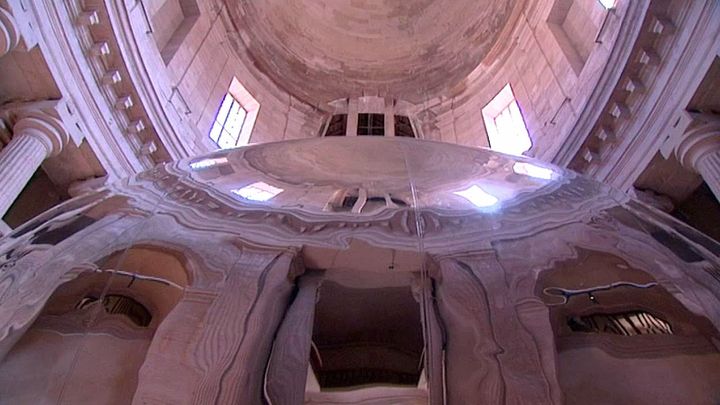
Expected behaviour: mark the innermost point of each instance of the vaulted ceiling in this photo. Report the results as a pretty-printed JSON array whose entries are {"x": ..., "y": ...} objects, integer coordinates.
[{"x": 322, "y": 50}]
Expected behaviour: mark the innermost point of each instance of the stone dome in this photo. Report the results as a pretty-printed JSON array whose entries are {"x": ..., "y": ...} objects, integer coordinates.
[{"x": 324, "y": 50}]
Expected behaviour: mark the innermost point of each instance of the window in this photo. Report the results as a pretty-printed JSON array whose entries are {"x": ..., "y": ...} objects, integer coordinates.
[
  {"x": 235, "y": 118},
  {"x": 403, "y": 127},
  {"x": 608, "y": 4},
  {"x": 337, "y": 125},
  {"x": 625, "y": 324},
  {"x": 120, "y": 304},
  {"x": 259, "y": 191},
  {"x": 228, "y": 123},
  {"x": 371, "y": 124},
  {"x": 505, "y": 125}
]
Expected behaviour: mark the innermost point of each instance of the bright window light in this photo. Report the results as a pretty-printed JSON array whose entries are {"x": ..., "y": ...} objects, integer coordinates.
[
  {"x": 529, "y": 169},
  {"x": 206, "y": 163},
  {"x": 505, "y": 125},
  {"x": 228, "y": 123},
  {"x": 477, "y": 196},
  {"x": 258, "y": 192},
  {"x": 235, "y": 117},
  {"x": 608, "y": 4}
]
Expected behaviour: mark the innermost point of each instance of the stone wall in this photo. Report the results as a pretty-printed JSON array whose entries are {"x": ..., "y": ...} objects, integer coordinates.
[{"x": 550, "y": 88}]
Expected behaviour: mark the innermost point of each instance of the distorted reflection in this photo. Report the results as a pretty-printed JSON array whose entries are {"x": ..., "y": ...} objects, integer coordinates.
[
  {"x": 529, "y": 169},
  {"x": 259, "y": 191},
  {"x": 477, "y": 196},
  {"x": 374, "y": 270},
  {"x": 206, "y": 163}
]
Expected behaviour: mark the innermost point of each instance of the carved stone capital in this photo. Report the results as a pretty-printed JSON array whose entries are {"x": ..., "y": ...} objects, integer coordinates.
[
  {"x": 9, "y": 32},
  {"x": 44, "y": 127},
  {"x": 701, "y": 139}
]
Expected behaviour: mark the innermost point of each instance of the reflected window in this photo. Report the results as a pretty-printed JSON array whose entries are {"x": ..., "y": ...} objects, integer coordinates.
[
  {"x": 235, "y": 118},
  {"x": 505, "y": 125},
  {"x": 120, "y": 304},
  {"x": 625, "y": 324},
  {"x": 207, "y": 163},
  {"x": 529, "y": 169},
  {"x": 337, "y": 125},
  {"x": 371, "y": 124},
  {"x": 259, "y": 191},
  {"x": 478, "y": 196}
]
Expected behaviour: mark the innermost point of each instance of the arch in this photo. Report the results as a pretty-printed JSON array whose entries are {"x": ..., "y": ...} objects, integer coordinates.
[
  {"x": 96, "y": 329},
  {"x": 619, "y": 334}
]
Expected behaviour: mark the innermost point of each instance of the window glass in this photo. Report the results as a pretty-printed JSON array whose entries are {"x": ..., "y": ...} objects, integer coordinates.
[{"x": 505, "y": 125}]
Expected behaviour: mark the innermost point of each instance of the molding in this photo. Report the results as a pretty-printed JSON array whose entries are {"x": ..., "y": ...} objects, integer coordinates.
[
  {"x": 675, "y": 84},
  {"x": 590, "y": 115},
  {"x": 73, "y": 71},
  {"x": 670, "y": 63},
  {"x": 172, "y": 131}
]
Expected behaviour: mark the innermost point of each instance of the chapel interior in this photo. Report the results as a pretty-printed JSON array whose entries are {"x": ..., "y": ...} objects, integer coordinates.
[{"x": 359, "y": 202}]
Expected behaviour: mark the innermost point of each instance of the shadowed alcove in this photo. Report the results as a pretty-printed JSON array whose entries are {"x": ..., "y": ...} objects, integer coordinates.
[
  {"x": 617, "y": 328},
  {"x": 90, "y": 339}
]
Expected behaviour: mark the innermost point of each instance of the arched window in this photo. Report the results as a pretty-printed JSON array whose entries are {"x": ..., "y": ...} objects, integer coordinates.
[
  {"x": 505, "y": 125},
  {"x": 120, "y": 304}
]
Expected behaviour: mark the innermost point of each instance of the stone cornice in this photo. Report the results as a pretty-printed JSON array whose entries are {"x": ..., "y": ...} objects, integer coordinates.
[
  {"x": 70, "y": 62},
  {"x": 678, "y": 42},
  {"x": 174, "y": 133},
  {"x": 587, "y": 119}
]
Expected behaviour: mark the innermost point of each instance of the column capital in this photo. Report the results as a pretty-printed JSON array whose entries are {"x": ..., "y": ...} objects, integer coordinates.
[
  {"x": 701, "y": 139},
  {"x": 44, "y": 127},
  {"x": 9, "y": 32}
]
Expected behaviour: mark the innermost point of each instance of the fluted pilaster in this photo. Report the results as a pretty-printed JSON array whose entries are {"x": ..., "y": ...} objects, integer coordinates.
[
  {"x": 699, "y": 150},
  {"x": 709, "y": 168},
  {"x": 9, "y": 33},
  {"x": 35, "y": 138}
]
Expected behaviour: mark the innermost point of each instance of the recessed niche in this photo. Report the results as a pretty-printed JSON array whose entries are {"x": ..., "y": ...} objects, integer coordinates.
[
  {"x": 366, "y": 336},
  {"x": 574, "y": 29},
  {"x": 172, "y": 22}
]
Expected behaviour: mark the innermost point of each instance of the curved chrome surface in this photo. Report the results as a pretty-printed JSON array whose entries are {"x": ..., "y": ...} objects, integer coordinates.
[{"x": 539, "y": 241}]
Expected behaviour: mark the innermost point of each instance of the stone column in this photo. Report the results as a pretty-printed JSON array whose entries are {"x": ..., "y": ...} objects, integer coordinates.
[
  {"x": 699, "y": 150},
  {"x": 35, "y": 138},
  {"x": 9, "y": 33}
]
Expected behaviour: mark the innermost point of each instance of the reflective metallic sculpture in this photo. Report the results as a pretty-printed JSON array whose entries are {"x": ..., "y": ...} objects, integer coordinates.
[{"x": 358, "y": 270}]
